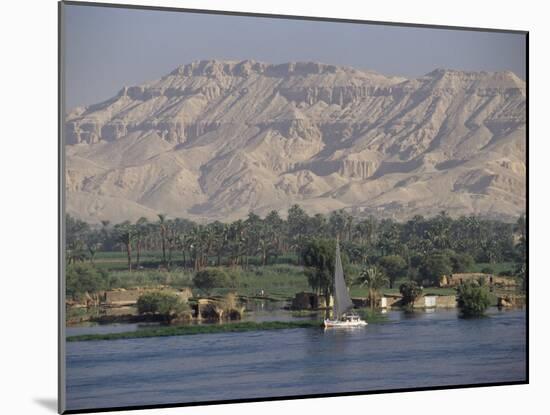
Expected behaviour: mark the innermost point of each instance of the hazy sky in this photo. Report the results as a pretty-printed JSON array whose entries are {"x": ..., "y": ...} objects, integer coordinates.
[{"x": 107, "y": 48}]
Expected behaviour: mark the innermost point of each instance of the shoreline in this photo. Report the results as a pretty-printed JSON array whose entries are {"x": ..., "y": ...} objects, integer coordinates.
[
  {"x": 225, "y": 327},
  {"x": 187, "y": 330},
  {"x": 166, "y": 331}
]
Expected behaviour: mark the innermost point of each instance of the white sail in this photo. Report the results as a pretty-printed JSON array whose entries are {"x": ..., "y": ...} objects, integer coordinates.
[{"x": 342, "y": 300}]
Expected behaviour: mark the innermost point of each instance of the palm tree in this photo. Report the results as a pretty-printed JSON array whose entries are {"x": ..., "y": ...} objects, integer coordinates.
[
  {"x": 126, "y": 235},
  {"x": 363, "y": 231},
  {"x": 338, "y": 223},
  {"x": 198, "y": 240},
  {"x": 210, "y": 236},
  {"x": 76, "y": 252},
  {"x": 236, "y": 242},
  {"x": 151, "y": 237},
  {"x": 276, "y": 226},
  {"x": 162, "y": 227},
  {"x": 389, "y": 237},
  {"x": 438, "y": 232},
  {"x": 141, "y": 233},
  {"x": 219, "y": 235},
  {"x": 297, "y": 221},
  {"x": 374, "y": 279},
  {"x": 181, "y": 229},
  {"x": 349, "y": 225},
  {"x": 171, "y": 239},
  {"x": 318, "y": 225},
  {"x": 93, "y": 243},
  {"x": 266, "y": 242},
  {"x": 253, "y": 226},
  {"x": 105, "y": 236},
  {"x": 93, "y": 247}
]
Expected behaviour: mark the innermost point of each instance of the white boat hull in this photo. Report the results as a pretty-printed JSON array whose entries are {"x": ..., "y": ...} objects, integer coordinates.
[{"x": 344, "y": 324}]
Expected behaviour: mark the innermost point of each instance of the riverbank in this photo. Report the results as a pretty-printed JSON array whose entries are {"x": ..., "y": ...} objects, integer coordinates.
[
  {"x": 164, "y": 331},
  {"x": 243, "y": 326}
]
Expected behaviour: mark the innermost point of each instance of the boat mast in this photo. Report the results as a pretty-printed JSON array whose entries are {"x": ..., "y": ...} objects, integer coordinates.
[
  {"x": 337, "y": 260},
  {"x": 342, "y": 300}
]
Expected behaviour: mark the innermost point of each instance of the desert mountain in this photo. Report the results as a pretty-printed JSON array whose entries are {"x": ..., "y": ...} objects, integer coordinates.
[{"x": 217, "y": 139}]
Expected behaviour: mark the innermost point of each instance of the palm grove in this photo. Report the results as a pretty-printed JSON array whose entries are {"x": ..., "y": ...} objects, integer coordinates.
[{"x": 376, "y": 253}]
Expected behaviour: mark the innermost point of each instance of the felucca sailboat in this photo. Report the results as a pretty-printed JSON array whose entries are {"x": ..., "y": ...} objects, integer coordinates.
[{"x": 343, "y": 316}]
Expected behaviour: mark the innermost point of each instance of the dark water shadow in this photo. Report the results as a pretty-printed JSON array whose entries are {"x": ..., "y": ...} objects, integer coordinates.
[
  {"x": 473, "y": 317},
  {"x": 48, "y": 403}
]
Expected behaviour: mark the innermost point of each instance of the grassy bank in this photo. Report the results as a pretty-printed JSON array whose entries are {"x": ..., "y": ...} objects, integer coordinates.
[
  {"x": 199, "y": 329},
  {"x": 496, "y": 268},
  {"x": 118, "y": 261},
  {"x": 280, "y": 281},
  {"x": 371, "y": 316}
]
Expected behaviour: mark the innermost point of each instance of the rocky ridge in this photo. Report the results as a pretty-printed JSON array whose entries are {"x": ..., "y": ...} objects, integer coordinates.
[{"x": 217, "y": 139}]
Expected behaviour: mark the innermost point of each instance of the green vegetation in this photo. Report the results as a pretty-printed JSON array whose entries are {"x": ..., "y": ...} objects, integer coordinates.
[
  {"x": 125, "y": 234},
  {"x": 199, "y": 329},
  {"x": 410, "y": 292},
  {"x": 166, "y": 304},
  {"x": 372, "y": 317},
  {"x": 278, "y": 282},
  {"x": 434, "y": 266},
  {"x": 84, "y": 278},
  {"x": 394, "y": 266},
  {"x": 497, "y": 268},
  {"x": 461, "y": 262},
  {"x": 318, "y": 255},
  {"x": 374, "y": 280},
  {"x": 473, "y": 299},
  {"x": 176, "y": 278},
  {"x": 279, "y": 257},
  {"x": 264, "y": 241},
  {"x": 210, "y": 278}
]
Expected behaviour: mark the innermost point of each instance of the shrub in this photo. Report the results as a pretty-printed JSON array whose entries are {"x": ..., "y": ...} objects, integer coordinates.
[
  {"x": 319, "y": 256},
  {"x": 416, "y": 260},
  {"x": 210, "y": 278},
  {"x": 163, "y": 303},
  {"x": 149, "y": 278},
  {"x": 461, "y": 262},
  {"x": 410, "y": 292},
  {"x": 434, "y": 266},
  {"x": 84, "y": 278},
  {"x": 394, "y": 266},
  {"x": 473, "y": 299}
]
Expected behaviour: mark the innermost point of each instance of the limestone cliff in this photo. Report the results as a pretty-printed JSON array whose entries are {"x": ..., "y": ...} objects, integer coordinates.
[{"x": 217, "y": 139}]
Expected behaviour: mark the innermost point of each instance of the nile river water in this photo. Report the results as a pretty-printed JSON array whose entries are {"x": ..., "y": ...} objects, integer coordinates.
[{"x": 410, "y": 350}]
